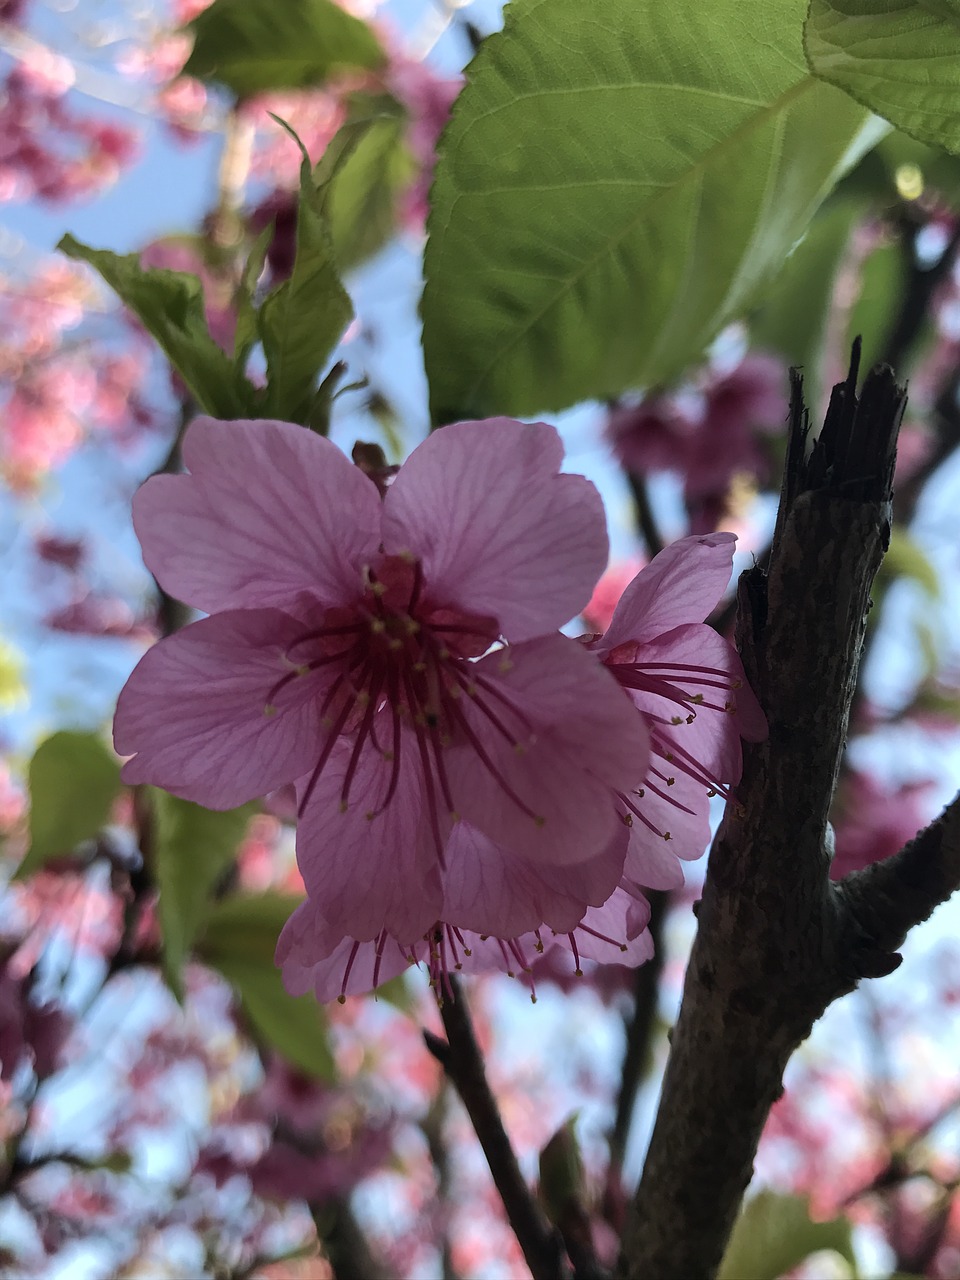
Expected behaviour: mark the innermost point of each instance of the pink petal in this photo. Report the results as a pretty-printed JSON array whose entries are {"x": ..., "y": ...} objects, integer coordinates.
[
  {"x": 315, "y": 957},
  {"x": 616, "y": 933},
  {"x": 498, "y": 530},
  {"x": 714, "y": 735},
  {"x": 489, "y": 890},
  {"x": 192, "y": 714},
  {"x": 371, "y": 870},
  {"x": 650, "y": 863},
  {"x": 569, "y": 737},
  {"x": 270, "y": 511},
  {"x": 681, "y": 584}
]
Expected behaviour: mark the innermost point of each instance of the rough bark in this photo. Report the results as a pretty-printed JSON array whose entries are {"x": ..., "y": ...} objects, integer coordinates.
[{"x": 777, "y": 941}]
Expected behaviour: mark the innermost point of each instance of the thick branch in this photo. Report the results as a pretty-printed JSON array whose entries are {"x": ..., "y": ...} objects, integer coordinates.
[
  {"x": 462, "y": 1060},
  {"x": 773, "y": 945}
]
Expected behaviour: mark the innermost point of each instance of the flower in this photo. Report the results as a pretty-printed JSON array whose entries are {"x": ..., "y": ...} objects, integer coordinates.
[
  {"x": 874, "y": 821},
  {"x": 689, "y": 684},
  {"x": 355, "y": 647}
]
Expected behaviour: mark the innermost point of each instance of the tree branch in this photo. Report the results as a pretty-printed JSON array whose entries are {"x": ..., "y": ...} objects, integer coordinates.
[
  {"x": 775, "y": 943},
  {"x": 462, "y": 1060}
]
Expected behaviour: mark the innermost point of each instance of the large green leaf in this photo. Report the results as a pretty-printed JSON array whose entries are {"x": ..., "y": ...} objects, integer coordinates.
[
  {"x": 900, "y": 58},
  {"x": 255, "y": 45},
  {"x": 793, "y": 317},
  {"x": 73, "y": 780},
  {"x": 192, "y": 847},
  {"x": 169, "y": 305},
  {"x": 614, "y": 184},
  {"x": 301, "y": 321},
  {"x": 774, "y": 1234},
  {"x": 239, "y": 941}
]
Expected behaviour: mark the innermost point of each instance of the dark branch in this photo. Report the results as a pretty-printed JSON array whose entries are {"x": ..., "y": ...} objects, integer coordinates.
[
  {"x": 462, "y": 1060},
  {"x": 640, "y": 1029},
  {"x": 774, "y": 945}
]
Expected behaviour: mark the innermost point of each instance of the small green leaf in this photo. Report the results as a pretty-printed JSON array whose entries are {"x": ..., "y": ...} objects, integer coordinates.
[
  {"x": 365, "y": 189},
  {"x": 612, "y": 187},
  {"x": 905, "y": 558},
  {"x": 775, "y": 1233},
  {"x": 239, "y": 942},
  {"x": 899, "y": 58},
  {"x": 169, "y": 304},
  {"x": 301, "y": 322},
  {"x": 246, "y": 333},
  {"x": 562, "y": 1177},
  {"x": 73, "y": 780},
  {"x": 253, "y": 46},
  {"x": 192, "y": 847},
  {"x": 792, "y": 319}
]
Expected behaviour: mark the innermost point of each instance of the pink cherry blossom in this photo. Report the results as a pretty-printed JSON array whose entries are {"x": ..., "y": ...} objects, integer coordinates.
[
  {"x": 353, "y": 648},
  {"x": 689, "y": 684}
]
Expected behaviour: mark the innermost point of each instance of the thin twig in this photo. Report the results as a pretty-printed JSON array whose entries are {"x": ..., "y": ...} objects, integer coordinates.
[{"x": 462, "y": 1060}]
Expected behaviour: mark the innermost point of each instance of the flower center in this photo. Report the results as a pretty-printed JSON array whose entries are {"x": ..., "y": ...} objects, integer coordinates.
[{"x": 402, "y": 666}]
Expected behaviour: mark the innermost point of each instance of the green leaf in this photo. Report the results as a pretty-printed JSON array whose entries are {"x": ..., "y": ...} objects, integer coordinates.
[
  {"x": 239, "y": 941},
  {"x": 169, "y": 304},
  {"x": 612, "y": 188},
  {"x": 873, "y": 313},
  {"x": 252, "y": 46},
  {"x": 905, "y": 558},
  {"x": 73, "y": 780},
  {"x": 301, "y": 322},
  {"x": 792, "y": 319},
  {"x": 899, "y": 58},
  {"x": 774, "y": 1234},
  {"x": 246, "y": 332},
  {"x": 192, "y": 847},
  {"x": 365, "y": 189}
]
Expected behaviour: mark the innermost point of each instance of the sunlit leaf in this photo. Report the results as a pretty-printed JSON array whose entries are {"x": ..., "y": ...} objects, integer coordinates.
[
  {"x": 613, "y": 185},
  {"x": 900, "y": 58},
  {"x": 192, "y": 847},
  {"x": 775, "y": 1233},
  {"x": 255, "y": 45},
  {"x": 169, "y": 305},
  {"x": 73, "y": 780},
  {"x": 365, "y": 190}
]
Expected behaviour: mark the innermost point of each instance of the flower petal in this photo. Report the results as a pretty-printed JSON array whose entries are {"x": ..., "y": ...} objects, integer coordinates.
[
  {"x": 192, "y": 714},
  {"x": 497, "y": 529},
  {"x": 315, "y": 957},
  {"x": 550, "y": 736},
  {"x": 489, "y": 890},
  {"x": 270, "y": 511},
  {"x": 681, "y": 584},
  {"x": 372, "y": 863}
]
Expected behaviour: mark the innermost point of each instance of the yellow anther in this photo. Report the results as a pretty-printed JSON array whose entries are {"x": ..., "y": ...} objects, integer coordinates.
[
  {"x": 419, "y": 667},
  {"x": 538, "y": 947},
  {"x": 377, "y": 626},
  {"x": 671, "y": 781},
  {"x": 370, "y": 815},
  {"x": 411, "y": 626},
  {"x": 504, "y": 665},
  {"x": 628, "y": 819},
  {"x": 341, "y": 999},
  {"x": 666, "y": 835},
  {"x": 269, "y": 710},
  {"x": 520, "y": 748},
  {"x": 640, "y": 792},
  {"x": 676, "y": 720},
  {"x": 698, "y": 699},
  {"x": 539, "y": 820},
  {"x": 443, "y": 654},
  {"x": 406, "y": 556},
  {"x": 343, "y": 806},
  {"x": 301, "y": 671},
  {"x": 394, "y": 644},
  {"x": 691, "y": 717},
  {"x": 362, "y": 698},
  {"x": 378, "y": 589},
  {"x": 467, "y": 951}
]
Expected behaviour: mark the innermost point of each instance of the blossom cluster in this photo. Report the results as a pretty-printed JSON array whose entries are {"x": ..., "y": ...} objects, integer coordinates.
[{"x": 473, "y": 786}]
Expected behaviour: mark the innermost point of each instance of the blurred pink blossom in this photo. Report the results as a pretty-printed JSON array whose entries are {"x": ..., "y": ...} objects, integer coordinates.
[{"x": 874, "y": 820}]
